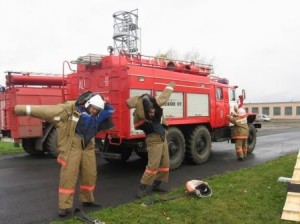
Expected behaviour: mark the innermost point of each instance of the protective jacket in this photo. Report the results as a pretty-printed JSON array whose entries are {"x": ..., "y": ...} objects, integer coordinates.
[
  {"x": 65, "y": 117},
  {"x": 240, "y": 129}
]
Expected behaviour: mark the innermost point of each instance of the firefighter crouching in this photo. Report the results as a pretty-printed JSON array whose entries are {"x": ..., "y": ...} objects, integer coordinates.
[
  {"x": 240, "y": 132},
  {"x": 148, "y": 116},
  {"x": 76, "y": 123}
]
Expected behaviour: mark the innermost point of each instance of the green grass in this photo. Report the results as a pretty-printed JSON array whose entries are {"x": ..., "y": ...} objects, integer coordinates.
[
  {"x": 9, "y": 147},
  {"x": 247, "y": 196}
]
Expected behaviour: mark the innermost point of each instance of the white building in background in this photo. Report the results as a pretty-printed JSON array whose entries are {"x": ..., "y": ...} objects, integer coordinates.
[{"x": 276, "y": 110}]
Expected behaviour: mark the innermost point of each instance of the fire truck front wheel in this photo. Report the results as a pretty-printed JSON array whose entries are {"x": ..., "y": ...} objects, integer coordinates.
[
  {"x": 176, "y": 145},
  {"x": 51, "y": 144},
  {"x": 199, "y": 145},
  {"x": 251, "y": 138}
]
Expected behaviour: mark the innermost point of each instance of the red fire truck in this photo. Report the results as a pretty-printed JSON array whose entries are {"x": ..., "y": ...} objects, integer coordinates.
[{"x": 196, "y": 112}]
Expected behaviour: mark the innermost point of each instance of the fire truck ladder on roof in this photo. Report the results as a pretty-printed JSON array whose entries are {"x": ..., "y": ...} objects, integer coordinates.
[
  {"x": 90, "y": 59},
  {"x": 126, "y": 31}
]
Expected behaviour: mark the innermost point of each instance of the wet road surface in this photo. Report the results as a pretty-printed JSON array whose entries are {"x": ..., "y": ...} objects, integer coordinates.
[{"x": 28, "y": 186}]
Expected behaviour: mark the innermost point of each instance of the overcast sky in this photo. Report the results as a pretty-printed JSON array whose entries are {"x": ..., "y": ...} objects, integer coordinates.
[{"x": 253, "y": 43}]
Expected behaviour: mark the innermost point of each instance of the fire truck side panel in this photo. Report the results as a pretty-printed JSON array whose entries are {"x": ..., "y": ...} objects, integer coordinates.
[{"x": 25, "y": 127}]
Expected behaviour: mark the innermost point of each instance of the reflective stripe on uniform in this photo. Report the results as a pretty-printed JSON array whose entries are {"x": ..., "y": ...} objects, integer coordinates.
[
  {"x": 61, "y": 161},
  {"x": 241, "y": 137},
  {"x": 163, "y": 169},
  {"x": 139, "y": 123},
  {"x": 28, "y": 110},
  {"x": 73, "y": 118},
  {"x": 66, "y": 191},
  {"x": 239, "y": 150},
  {"x": 88, "y": 188},
  {"x": 152, "y": 172}
]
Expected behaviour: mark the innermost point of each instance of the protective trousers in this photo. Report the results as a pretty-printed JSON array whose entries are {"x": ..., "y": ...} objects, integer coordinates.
[
  {"x": 158, "y": 160},
  {"x": 241, "y": 146},
  {"x": 82, "y": 162}
]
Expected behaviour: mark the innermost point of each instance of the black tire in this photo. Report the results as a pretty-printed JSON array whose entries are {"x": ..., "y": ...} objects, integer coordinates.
[
  {"x": 28, "y": 145},
  {"x": 143, "y": 155},
  {"x": 176, "y": 146},
  {"x": 199, "y": 145},
  {"x": 251, "y": 138},
  {"x": 141, "y": 151},
  {"x": 51, "y": 144}
]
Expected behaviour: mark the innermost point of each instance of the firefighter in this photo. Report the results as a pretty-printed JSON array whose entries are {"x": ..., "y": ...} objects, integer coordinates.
[
  {"x": 76, "y": 123},
  {"x": 148, "y": 116},
  {"x": 240, "y": 132}
]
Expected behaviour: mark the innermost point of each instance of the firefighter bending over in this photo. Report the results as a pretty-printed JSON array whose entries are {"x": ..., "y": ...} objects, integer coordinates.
[
  {"x": 148, "y": 116},
  {"x": 240, "y": 132},
  {"x": 77, "y": 123}
]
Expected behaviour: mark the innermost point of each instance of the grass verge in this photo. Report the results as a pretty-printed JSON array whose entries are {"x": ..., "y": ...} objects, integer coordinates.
[
  {"x": 9, "y": 147},
  {"x": 246, "y": 196}
]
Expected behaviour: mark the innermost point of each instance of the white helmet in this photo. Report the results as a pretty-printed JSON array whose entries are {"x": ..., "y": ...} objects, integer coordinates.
[
  {"x": 241, "y": 111},
  {"x": 200, "y": 187},
  {"x": 96, "y": 101}
]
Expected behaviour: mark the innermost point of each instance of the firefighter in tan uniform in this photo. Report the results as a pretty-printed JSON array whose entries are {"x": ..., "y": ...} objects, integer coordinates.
[
  {"x": 148, "y": 116},
  {"x": 240, "y": 132},
  {"x": 76, "y": 123}
]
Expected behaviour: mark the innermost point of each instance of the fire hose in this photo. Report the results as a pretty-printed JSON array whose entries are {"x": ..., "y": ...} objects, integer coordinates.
[{"x": 82, "y": 216}]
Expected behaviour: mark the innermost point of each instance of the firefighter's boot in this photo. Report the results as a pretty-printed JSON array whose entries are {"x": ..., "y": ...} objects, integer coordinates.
[
  {"x": 63, "y": 212},
  {"x": 157, "y": 186},
  {"x": 141, "y": 192},
  {"x": 241, "y": 157},
  {"x": 91, "y": 204}
]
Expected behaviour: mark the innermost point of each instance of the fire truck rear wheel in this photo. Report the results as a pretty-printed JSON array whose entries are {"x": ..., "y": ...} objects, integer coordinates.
[
  {"x": 199, "y": 145},
  {"x": 176, "y": 145},
  {"x": 28, "y": 145},
  {"x": 251, "y": 138},
  {"x": 51, "y": 143}
]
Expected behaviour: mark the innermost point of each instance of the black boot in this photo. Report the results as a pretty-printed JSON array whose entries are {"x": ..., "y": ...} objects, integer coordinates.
[
  {"x": 141, "y": 192},
  {"x": 156, "y": 186},
  {"x": 63, "y": 212},
  {"x": 91, "y": 204}
]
